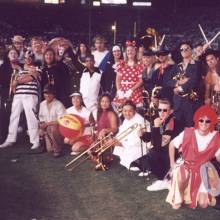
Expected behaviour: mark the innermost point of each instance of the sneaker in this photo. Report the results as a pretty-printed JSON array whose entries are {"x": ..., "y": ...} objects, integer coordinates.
[
  {"x": 35, "y": 146},
  {"x": 134, "y": 169},
  {"x": 74, "y": 153},
  {"x": 146, "y": 173},
  {"x": 6, "y": 144},
  {"x": 158, "y": 185}
]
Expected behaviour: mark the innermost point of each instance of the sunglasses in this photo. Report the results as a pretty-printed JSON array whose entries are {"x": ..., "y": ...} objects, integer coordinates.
[
  {"x": 162, "y": 110},
  {"x": 184, "y": 49},
  {"x": 206, "y": 121}
]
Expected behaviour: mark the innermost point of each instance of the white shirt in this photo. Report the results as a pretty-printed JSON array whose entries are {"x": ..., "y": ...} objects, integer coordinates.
[
  {"x": 99, "y": 56},
  {"x": 52, "y": 111},
  {"x": 84, "y": 113},
  {"x": 202, "y": 140},
  {"x": 89, "y": 88},
  {"x": 131, "y": 148}
]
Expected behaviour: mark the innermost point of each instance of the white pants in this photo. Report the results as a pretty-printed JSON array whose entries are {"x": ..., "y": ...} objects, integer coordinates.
[
  {"x": 129, "y": 153},
  {"x": 27, "y": 103}
]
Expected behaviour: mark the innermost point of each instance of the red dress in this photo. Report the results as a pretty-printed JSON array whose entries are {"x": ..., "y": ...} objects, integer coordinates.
[{"x": 130, "y": 75}]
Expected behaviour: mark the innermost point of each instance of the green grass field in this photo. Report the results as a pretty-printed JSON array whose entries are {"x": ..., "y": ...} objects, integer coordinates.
[{"x": 37, "y": 186}]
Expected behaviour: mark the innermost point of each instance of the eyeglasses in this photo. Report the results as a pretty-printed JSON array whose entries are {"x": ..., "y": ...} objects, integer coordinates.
[
  {"x": 206, "y": 121},
  {"x": 162, "y": 110},
  {"x": 184, "y": 49}
]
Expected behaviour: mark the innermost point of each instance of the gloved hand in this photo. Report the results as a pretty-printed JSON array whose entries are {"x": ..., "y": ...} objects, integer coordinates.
[
  {"x": 128, "y": 93},
  {"x": 120, "y": 94}
]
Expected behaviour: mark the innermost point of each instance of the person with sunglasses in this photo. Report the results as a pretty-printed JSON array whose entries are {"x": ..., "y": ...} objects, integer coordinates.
[
  {"x": 157, "y": 160},
  {"x": 185, "y": 81},
  {"x": 194, "y": 180}
]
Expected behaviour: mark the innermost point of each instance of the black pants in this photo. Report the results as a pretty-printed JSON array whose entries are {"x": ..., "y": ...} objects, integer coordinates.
[{"x": 156, "y": 161}]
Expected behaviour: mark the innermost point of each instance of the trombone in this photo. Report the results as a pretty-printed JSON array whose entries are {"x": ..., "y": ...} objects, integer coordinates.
[{"x": 99, "y": 148}]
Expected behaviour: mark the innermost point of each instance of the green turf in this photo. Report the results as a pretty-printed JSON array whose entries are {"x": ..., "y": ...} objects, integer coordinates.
[{"x": 38, "y": 187}]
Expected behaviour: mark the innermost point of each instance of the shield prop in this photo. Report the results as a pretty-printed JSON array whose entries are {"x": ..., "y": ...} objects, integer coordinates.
[{"x": 210, "y": 178}]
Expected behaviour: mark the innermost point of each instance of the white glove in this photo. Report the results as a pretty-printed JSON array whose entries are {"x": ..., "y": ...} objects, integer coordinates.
[
  {"x": 128, "y": 93},
  {"x": 120, "y": 94}
]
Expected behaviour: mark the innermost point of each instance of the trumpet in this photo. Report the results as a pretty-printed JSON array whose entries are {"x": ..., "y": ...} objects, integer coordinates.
[
  {"x": 97, "y": 149},
  {"x": 179, "y": 76}
]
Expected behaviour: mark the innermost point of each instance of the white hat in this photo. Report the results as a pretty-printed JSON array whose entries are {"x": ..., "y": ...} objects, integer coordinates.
[
  {"x": 116, "y": 47},
  {"x": 17, "y": 38},
  {"x": 76, "y": 94}
]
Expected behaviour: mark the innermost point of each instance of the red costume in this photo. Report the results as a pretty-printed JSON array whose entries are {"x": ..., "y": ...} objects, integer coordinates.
[{"x": 186, "y": 179}]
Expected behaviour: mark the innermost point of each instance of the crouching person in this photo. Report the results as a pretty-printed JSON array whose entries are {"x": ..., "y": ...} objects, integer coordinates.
[
  {"x": 130, "y": 148},
  {"x": 50, "y": 110},
  {"x": 157, "y": 160},
  {"x": 195, "y": 180}
]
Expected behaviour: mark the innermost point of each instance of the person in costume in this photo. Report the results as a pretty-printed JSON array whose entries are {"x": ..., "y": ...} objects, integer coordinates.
[
  {"x": 129, "y": 78},
  {"x": 194, "y": 180}
]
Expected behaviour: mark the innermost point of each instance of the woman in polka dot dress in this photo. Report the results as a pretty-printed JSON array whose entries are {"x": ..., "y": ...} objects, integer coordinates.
[{"x": 129, "y": 78}]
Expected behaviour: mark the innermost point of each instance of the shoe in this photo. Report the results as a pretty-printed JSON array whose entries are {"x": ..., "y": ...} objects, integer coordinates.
[
  {"x": 146, "y": 173},
  {"x": 6, "y": 144},
  {"x": 134, "y": 169},
  {"x": 74, "y": 153},
  {"x": 35, "y": 146},
  {"x": 158, "y": 185}
]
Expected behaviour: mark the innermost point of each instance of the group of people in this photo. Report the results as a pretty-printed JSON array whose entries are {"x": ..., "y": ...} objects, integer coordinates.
[{"x": 170, "y": 102}]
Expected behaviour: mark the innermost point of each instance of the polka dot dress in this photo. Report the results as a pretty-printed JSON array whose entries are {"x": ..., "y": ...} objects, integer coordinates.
[{"x": 130, "y": 75}]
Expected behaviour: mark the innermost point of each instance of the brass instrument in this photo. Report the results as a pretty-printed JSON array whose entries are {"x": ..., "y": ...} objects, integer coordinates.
[
  {"x": 14, "y": 77},
  {"x": 191, "y": 95},
  {"x": 179, "y": 76},
  {"x": 151, "y": 39},
  {"x": 97, "y": 149}
]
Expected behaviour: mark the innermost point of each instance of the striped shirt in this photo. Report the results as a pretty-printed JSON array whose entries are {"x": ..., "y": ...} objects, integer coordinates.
[{"x": 28, "y": 88}]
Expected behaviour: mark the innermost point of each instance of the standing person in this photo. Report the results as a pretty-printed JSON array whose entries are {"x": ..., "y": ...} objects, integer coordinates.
[
  {"x": 129, "y": 148},
  {"x": 90, "y": 84},
  {"x": 101, "y": 54},
  {"x": 37, "y": 48},
  {"x": 5, "y": 76},
  {"x": 74, "y": 67},
  {"x": 163, "y": 72},
  {"x": 57, "y": 75},
  {"x": 26, "y": 97},
  {"x": 108, "y": 80},
  {"x": 82, "y": 51},
  {"x": 212, "y": 80},
  {"x": 197, "y": 145},
  {"x": 50, "y": 110},
  {"x": 148, "y": 60},
  {"x": 78, "y": 108},
  {"x": 184, "y": 86},
  {"x": 18, "y": 43},
  {"x": 129, "y": 78}
]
